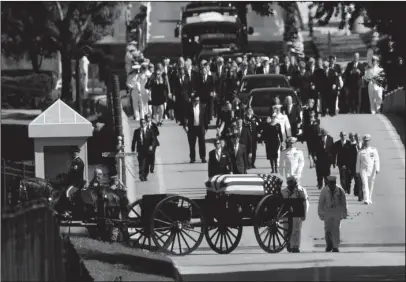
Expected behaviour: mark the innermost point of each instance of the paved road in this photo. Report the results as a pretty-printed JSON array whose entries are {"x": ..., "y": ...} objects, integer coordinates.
[
  {"x": 372, "y": 236},
  {"x": 164, "y": 15}
]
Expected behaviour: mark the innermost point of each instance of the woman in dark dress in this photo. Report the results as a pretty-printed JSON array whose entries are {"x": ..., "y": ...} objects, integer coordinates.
[
  {"x": 311, "y": 134},
  {"x": 272, "y": 136},
  {"x": 158, "y": 85},
  {"x": 224, "y": 119}
]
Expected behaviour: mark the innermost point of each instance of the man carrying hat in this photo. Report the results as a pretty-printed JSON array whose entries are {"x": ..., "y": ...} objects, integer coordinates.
[
  {"x": 295, "y": 191},
  {"x": 292, "y": 160},
  {"x": 332, "y": 209},
  {"x": 368, "y": 166},
  {"x": 76, "y": 170}
]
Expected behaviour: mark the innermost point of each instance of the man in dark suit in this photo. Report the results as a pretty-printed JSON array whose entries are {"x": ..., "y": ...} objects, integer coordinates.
[
  {"x": 204, "y": 87},
  {"x": 265, "y": 68},
  {"x": 338, "y": 73},
  {"x": 219, "y": 160},
  {"x": 196, "y": 126},
  {"x": 154, "y": 128},
  {"x": 252, "y": 123},
  {"x": 353, "y": 82},
  {"x": 328, "y": 89},
  {"x": 293, "y": 113},
  {"x": 243, "y": 71},
  {"x": 352, "y": 165},
  {"x": 76, "y": 169},
  {"x": 341, "y": 152},
  {"x": 287, "y": 68},
  {"x": 182, "y": 88},
  {"x": 323, "y": 157},
  {"x": 238, "y": 155},
  {"x": 301, "y": 82},
  {"x": 144, "y": 141},
  {"x": 245, "y": 138},
  {"x": 220, "y": 76},
  {"x": 317, "y": 80}
]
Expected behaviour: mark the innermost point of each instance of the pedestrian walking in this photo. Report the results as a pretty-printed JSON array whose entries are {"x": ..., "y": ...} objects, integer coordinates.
[
  {"x": 196, "y": 126},
  {"x": 294, "y": 114},
  {"x": 332, "y": 209},
  {"x": 219, "y": 160},
  {"x": 374, "y": 78},
  {"x": 352, "y": 164},
  {"x": 144, "y": 141},
  {"x": 368, "y": 166},
  {"x": 158, "y": 84},
  {"x": 341, "y": 152},
  {"x": 323, "y": 158},
  {"x": 271, "y": 134},
  {"x": 353, "y": 83},
  {"x": 251, "y": 122},
  {"x": 140, "y": 94},
  {"x": 151, "y": 126},
  {"x": 311, "y": 132},
  {"x": 295, "y": 191},
  {"x": 238, "y": 155},
  {"x": 283, "y": 120},
  {"x": 292, "y": 160}
]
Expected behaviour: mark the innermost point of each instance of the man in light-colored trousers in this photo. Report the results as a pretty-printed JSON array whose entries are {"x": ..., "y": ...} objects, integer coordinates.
[{"x": 332, "y": 209}]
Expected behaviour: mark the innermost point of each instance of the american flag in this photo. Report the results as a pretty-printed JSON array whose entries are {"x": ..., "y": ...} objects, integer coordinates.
[
  {"x": 244, "y": 184},
  {"x": 272, "y": 183}
]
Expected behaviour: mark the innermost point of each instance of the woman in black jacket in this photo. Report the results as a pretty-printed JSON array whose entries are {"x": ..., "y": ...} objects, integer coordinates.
[{"x": 158, "y": 84}]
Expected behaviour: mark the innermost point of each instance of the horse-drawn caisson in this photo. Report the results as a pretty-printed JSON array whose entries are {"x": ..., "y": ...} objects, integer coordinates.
[{"x": 175, "y": 224}]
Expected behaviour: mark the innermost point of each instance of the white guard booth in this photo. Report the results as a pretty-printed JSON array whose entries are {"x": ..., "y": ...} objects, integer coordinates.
[{"x": 55, "y": 132}]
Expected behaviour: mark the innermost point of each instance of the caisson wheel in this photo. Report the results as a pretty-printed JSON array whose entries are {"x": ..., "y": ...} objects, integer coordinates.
[
  {"x": 221, "y": 238},
  {"x": 137, "y": 227},
  {"x": 272, "y": 224},
  {"x": 177, "y": 225}
]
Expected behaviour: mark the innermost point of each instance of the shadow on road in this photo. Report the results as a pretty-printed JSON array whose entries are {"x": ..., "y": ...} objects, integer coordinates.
[
  {"x": 380, "y": 273},
  {"x": 399, "y": 124}
]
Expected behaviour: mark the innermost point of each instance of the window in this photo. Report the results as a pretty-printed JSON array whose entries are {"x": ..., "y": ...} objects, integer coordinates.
[
  {"x": 265, "y": 99},
  {"x": 259, "y": 82}
]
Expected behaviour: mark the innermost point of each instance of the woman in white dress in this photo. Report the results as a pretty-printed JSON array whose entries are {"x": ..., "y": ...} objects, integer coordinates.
[{"x": 373, "y": 76}]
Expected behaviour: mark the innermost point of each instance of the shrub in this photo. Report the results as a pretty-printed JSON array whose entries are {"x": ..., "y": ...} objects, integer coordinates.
[{"x": 27, "y": 91}]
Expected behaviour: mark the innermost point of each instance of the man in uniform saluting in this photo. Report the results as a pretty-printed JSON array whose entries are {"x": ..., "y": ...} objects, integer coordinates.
[{"x": 76, "y": 170}]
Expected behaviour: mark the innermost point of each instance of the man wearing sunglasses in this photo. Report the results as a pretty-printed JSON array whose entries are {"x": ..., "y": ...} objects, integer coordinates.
[{"x": 219, "y": 160}]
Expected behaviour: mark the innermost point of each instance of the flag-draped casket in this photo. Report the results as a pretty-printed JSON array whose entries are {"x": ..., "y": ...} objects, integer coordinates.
[{"x": 244, "y": 184}]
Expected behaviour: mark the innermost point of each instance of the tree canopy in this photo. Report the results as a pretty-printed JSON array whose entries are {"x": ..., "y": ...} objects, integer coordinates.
[{"x": 44, "y": 28}]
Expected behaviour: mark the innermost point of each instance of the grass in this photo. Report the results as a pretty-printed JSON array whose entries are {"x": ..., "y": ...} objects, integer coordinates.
[{"x": 107, "y": 261}]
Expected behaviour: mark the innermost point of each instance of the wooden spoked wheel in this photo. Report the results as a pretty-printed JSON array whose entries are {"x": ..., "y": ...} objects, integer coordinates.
[
  {"x": 177, "y": 225},
  {"x": 221, "y": 238},
  {"x": 272, "y": 224},
  {"x": 139, "y": 235}
]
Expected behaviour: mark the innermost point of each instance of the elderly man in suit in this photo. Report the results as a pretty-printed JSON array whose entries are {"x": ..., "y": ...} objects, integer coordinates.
[
  {"x": 144, "y": 141},
  {"x": 219, "y": 160},
  {"x": 353, "y": 82},
  {"x": 294, "y": 114},
  {"x": 196, "y": 126},
  {"x": 238, "y": 155},
  {"x": 323, "y": 157},
  {"x": 204, "y": 87},
  {"x": 341, "y": 152}
]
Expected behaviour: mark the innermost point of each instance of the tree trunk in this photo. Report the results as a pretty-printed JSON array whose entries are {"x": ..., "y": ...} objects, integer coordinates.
[{"x": 67, "y": 94}]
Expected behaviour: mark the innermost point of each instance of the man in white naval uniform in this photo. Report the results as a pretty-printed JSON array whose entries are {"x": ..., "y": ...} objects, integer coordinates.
[
  {"x": 367, "y": 168},
  {"x": 295, "y": 191},
  {"x": 292, "y": 160},
  {"x": 332, "y": 209}
]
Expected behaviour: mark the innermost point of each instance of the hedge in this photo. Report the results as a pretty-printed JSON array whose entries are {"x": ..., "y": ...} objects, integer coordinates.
[{"x": 27, "y": 91}]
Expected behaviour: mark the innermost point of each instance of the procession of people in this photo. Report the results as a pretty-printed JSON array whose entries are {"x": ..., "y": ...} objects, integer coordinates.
[{"x": 198, "y": 94}]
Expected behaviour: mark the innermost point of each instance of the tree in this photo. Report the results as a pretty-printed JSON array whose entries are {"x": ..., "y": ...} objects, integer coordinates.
[
  {"x": 64, "y": 27},
  {"x": 385, "y": 18}
]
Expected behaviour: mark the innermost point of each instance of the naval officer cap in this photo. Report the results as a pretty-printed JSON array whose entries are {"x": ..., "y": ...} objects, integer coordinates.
[
  {"x": 291, "y": 140},
  {"x": 331, "y": 178},
  {"x": 367, "y": 137},
  {"x": 136, "y": 67},
  {"x": 265, "y": 59}
]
